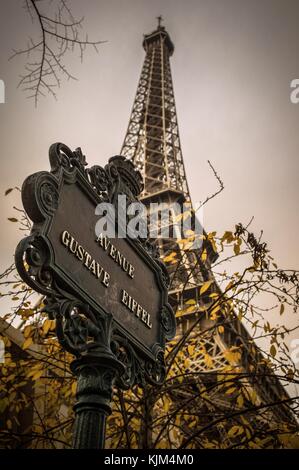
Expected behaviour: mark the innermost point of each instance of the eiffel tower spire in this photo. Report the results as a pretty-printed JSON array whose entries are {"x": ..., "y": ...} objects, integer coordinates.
[{"x": 152, "y": 140}]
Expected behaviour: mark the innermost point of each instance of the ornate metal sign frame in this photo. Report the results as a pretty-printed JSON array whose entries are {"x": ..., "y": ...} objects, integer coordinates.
[{"x": 84, "y": 327}]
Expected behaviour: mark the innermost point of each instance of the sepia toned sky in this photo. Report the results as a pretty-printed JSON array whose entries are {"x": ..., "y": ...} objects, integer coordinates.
[{"x": 232, "y": 67}]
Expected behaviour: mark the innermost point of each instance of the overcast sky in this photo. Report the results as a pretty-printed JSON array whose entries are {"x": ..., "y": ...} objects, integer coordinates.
[{"x": 232, "y": 67}]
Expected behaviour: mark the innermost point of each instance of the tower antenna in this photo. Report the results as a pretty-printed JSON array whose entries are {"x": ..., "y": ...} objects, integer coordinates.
[{"x": 160, "y": 19}]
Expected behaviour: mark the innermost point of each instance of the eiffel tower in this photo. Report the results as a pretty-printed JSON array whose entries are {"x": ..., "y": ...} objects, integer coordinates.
[{"x": 152, "y": 142}]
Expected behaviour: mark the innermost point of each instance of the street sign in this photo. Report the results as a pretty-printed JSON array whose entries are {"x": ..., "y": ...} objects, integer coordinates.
[{"x": 106, "y": 294}]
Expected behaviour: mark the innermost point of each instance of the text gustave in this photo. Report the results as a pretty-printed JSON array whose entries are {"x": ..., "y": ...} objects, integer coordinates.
[{"x": 94, "y": 267}]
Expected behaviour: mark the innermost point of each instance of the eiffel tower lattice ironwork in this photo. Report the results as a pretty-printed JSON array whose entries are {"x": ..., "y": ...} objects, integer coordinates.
[{"x": 152, "y": 142}]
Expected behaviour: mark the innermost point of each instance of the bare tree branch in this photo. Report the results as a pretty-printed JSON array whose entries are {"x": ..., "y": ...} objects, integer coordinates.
[{"x": 45, "y": 65}]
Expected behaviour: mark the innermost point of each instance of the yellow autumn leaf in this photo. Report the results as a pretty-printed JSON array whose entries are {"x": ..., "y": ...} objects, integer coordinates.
[
  {"x": 253, "y": 396},
  {"x": 27, "y": 331},
  {"x": 190, "y": 309},
  {"x": 74, "y": 387},
  {"x": 27, "y": 343},
  {"x": 37, "y": 374},
  {"x": 227, "y": 236},
  {"x": 221, "y": 329},
  {"x": 166, "y": 404},
  {"x": 6, "y": 341},
  {"x": 273, "y": 350},
  {"x": 191, "y": 349},
  {"x": 190, "y": 302},
  {"x": 240, "y": 401},
  {"x": 202, "y": 308},
  {"x": 232, "y": 357},
  {"x": 205, "y": 287},
  {"x": 213, "y": 315},
  {"x": 212, "y": 241},
  {"x": 170, "y": 257},
  {"x": 48, "y": 325},
  {"x": 187, "y": 363},
  {"x": 236, "y": 248},
  {"x": 208, "y": 360},
  {"x": 179, "y": 313},
  {"x": 162, "y": 444},
  {"x": 235, "y": 431},
  {"x": 214, "y": 295},
  {"x": 230, "y": 391},
  {"x": 204, "y": 255},
  {"x": 230, "y": 285}
]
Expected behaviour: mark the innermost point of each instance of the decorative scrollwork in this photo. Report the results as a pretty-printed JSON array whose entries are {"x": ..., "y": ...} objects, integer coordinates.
[
  {"x": 156, "y": 371},
  {"x": 168, "y": 321},
  {"x": 138, "y": 370},
  {"x": 99, "y": 181},
  {"x": 126, "y": 355},
  {"x": 49, "y": 196},
  {"x": 164, "y": 273},
  {"x": 40, "y": 195},
  {"x": 31, "y": 258},
  {"x": 78, "y": 329},
  {"x": 124, "y": 178},
  {"x": 61, "y": 156},
  {"x": 118, "y": 177},
  {"x": 151, "y": 248}
]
